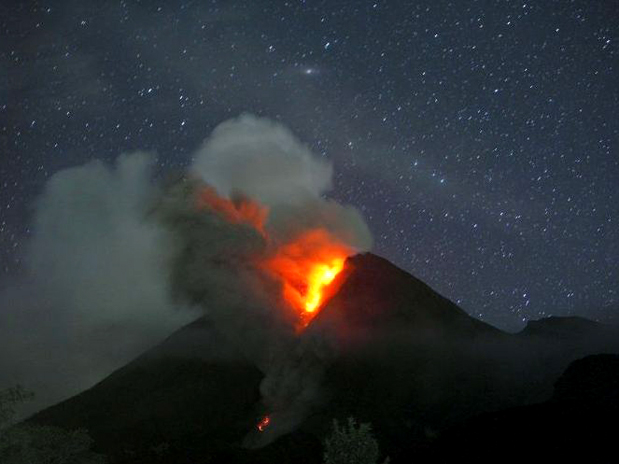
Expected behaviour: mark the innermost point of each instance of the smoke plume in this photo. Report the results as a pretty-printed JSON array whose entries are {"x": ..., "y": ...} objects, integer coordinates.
[
  {"x": 116, "y": 260},
  {"x": 218, "y": 264},
  {"x": 95, "y": 291}
]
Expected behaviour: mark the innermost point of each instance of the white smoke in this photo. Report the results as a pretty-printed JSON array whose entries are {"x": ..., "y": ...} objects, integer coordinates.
[
  {"x": 263, "y": 159},
  {"x": 95, "y": 250},
  {"x": 96, "y": 292}
]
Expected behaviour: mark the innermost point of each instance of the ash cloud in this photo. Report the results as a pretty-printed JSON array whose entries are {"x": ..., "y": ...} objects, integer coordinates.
[
  {"x": 264, "y": 160},
  {"x": 95, "y": 291},
  {"x": 95, "y": 249},
  {"x": 115, "y": 258},
  {"x": 215, "y": 267}
]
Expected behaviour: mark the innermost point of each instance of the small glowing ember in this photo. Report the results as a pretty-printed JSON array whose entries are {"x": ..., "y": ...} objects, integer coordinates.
[{"x": 264, "y": 423}]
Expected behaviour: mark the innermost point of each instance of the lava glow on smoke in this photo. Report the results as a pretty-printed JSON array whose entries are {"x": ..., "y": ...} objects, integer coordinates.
[
  {"x": 305, "y": 266},
  {"x": 240, "y": 209}
]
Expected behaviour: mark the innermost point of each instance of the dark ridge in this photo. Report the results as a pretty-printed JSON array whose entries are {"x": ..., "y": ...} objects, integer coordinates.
[
  {"x": 575, "y": 424},
  {"x": 593, "y": 379},
  {"x": 560, "y": 327}
]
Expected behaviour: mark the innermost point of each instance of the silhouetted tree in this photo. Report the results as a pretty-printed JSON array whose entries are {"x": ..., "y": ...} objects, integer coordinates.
[
  {"x": 35, "y": 444},
  {"x": 9, "y": 399},
  {"x": 351, "y": 444}
]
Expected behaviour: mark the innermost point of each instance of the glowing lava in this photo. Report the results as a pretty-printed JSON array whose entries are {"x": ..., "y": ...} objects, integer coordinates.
[
  {"x": 307, "y": 266},
  {"x": 319, "y": 277},
  {"x": 264, "y": 423}
]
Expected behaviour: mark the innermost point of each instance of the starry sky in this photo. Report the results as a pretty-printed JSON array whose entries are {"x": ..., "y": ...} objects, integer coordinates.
[{"x": 479, "y": 138}]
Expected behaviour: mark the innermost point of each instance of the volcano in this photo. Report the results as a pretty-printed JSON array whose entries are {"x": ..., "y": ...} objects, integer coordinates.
[{"x": 408, "y": 360}]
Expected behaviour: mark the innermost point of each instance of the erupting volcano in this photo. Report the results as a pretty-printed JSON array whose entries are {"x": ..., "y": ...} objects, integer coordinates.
[{"x": 305, "y": 266}]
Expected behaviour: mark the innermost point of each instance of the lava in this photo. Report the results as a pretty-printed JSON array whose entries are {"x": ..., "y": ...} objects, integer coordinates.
[
  {"x": 319, "y": 277},
  {"x": 264, "y": 423},
  {"x": 306, "y": 266}
]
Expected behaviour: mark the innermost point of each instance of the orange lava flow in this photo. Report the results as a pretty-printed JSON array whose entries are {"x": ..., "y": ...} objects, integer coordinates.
[
  {"x": 307, "y": 266},
  {"x": 320, "y": 276},
  {"x": 264, "y": 423}
]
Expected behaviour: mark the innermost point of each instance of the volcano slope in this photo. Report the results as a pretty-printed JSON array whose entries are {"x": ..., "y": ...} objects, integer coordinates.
[{"x": 404, "y": 358}]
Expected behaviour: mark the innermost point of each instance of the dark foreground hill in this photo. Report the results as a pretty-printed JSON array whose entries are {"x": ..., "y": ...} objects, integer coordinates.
[
  {"x": 424, "y": 373},
  {"x": 577, "y": 424}
]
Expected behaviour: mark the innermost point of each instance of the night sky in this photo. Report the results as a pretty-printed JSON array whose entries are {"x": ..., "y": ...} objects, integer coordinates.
[{"x": 479, "y": 138}]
